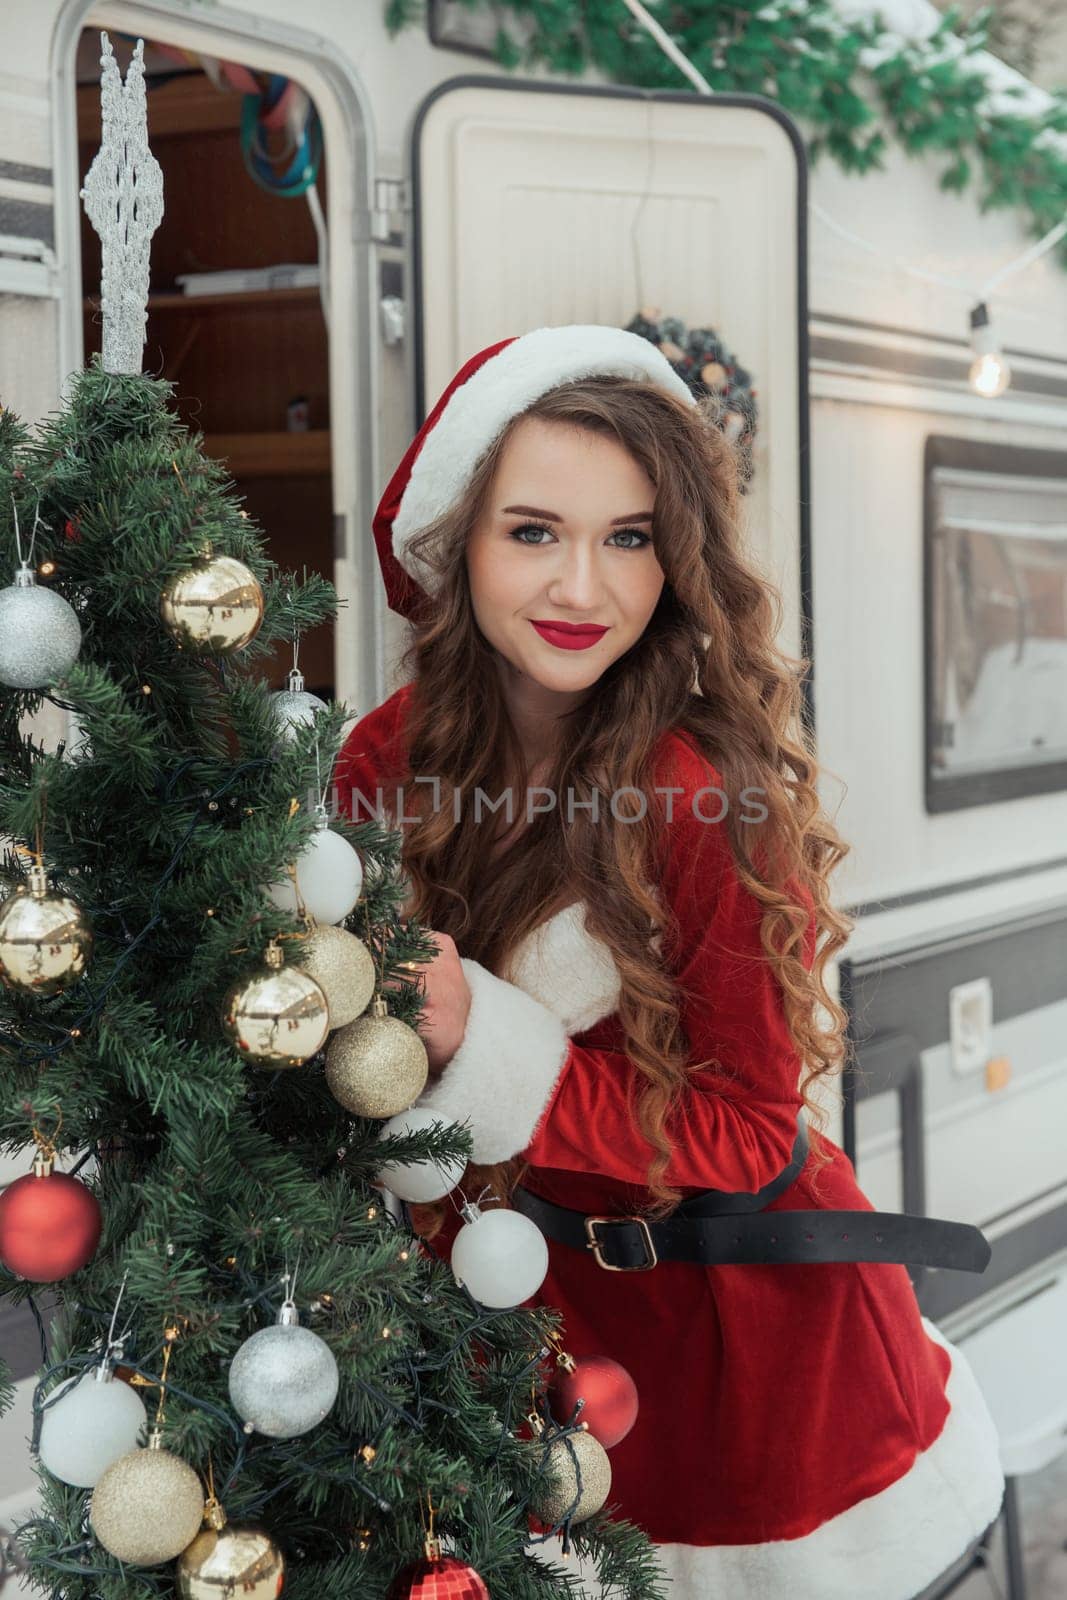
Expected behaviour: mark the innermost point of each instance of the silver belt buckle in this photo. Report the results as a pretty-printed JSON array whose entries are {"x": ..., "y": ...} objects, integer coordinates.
[{"x": 609, "y": 1266}]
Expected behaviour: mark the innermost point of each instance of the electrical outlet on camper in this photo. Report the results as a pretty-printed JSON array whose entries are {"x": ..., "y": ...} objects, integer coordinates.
[{"x": 970, "y": 1024}]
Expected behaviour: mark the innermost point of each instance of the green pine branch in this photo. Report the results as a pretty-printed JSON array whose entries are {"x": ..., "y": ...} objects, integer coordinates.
[{"x": 856, "y": 85}]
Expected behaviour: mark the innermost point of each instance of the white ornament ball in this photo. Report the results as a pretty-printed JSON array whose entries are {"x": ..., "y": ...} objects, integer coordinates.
[
  {"x": 418, "y": 1180},
  {"x": 330, "y": 875},
  {"x": 98, "y": 1419},
  {"x": 283, "y": 1380},
  {"x": 500, "y": 1256},
  {"x": 40, "y": 634}
]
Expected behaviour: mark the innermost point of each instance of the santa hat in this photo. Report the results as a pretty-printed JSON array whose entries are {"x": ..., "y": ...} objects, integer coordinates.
[{"x": 486, "y": 392}]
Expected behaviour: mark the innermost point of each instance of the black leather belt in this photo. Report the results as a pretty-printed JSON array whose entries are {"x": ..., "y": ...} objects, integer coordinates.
[{"x": 718, "y": 1227}]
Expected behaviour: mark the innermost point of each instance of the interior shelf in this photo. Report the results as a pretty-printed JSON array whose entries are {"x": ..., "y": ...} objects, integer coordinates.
[
  {"x": 272, "y": 455},
  {"x": 245, "y": 299},
  {"x": 237, "y": 362},
  {"x": 188, "y": 105}
]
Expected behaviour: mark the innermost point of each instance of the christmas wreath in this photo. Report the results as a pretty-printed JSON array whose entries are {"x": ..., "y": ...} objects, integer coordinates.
[{"x": 702, "y": 360}]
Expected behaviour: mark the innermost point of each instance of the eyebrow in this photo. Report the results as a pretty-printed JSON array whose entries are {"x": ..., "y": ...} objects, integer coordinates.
[{"x": 553, "y": 516}]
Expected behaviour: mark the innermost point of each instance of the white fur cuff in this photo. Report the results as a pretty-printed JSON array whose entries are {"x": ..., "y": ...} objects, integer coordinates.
[{"x": 502, "y": 1076}]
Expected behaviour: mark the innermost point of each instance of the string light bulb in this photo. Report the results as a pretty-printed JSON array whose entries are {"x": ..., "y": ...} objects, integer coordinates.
[{"x": 990, "y": 373}]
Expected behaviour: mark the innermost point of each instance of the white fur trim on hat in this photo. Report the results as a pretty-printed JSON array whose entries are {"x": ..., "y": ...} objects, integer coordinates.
[{"x": 501, "y": 387}]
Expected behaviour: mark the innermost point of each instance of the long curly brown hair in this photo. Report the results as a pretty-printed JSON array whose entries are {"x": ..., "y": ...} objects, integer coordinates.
[{"x": 706, "y": 664}]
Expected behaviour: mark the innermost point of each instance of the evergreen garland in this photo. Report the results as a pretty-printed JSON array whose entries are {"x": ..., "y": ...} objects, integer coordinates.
[{"x": 856, "y": 83}]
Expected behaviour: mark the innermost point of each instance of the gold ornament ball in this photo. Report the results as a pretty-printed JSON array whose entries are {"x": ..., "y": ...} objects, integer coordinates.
[
  {"x": 215, "y": 605},
  {"x": 45, "y": 939},
  {"x": 560, "y": 1483},
  {"x": 343, "y": 968},
  {"x": 276, "y": 1018},
  {"x": 377, "y": 1065},
  {"x": 146, "y": 1507},
  {"x": 230, "y": 1559}
]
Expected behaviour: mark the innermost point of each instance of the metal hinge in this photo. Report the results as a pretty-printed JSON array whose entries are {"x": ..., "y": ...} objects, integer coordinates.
[
  {"x": 392, "y": 203},
  {"x": 28, "y": 267}
]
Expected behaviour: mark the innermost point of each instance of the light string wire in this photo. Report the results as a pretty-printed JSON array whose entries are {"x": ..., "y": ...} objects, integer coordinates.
[
  {"x": 978, "y": 292},
  {"x": 166, "y": 1385},
  {"x": 414, "y": 1369},
  {"x": 483, "y": 1319},
  {"x": 30, "y": 1052}
]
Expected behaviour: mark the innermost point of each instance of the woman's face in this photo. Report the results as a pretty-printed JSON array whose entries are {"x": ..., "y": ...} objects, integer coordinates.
[{"x": 565, "y": 537}]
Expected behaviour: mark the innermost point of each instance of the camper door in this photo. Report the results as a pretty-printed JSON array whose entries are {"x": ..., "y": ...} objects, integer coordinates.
[{"x": 539, "y": 204}]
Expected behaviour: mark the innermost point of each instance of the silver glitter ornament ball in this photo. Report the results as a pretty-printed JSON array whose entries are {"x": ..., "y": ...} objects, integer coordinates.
[
  {"x": 284, "y": 1379},
  {"x": 40, "y": 634},
  {"x": 294, "y": 706}
]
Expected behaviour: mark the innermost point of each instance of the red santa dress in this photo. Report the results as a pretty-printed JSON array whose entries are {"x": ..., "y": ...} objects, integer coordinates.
[{"x": 804, "y": 1433}]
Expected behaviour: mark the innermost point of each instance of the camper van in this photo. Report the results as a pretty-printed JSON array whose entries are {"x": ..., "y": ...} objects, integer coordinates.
[{"x": 916, "y": 528}]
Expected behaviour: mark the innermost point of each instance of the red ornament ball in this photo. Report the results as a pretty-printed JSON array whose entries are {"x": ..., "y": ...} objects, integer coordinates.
[
  {"x": 445, "y": 1578},
  {"x": 609, "y": 1392},
  {"x": 49, "y": 1226}
]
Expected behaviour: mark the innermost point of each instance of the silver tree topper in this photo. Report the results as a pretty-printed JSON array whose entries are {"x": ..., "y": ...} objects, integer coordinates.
[{"x": 123, "y": 197}]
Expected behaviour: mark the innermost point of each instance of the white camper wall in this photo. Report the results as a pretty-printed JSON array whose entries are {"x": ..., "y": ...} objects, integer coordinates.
[
  {"x": 27, "y": 320},
  {"x": 909, "y": 220},
  {"x": 889, "y": 359}
]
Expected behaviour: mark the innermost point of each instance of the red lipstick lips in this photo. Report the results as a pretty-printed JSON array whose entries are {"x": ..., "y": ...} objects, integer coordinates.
[{"x": 569, "y": 635}]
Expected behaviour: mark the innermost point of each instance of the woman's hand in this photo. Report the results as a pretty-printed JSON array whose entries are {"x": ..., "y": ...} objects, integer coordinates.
[{"x": 446, "y": 1004}]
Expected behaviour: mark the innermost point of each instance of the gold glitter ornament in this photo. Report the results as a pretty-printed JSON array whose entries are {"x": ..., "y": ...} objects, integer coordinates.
[
  {"x": 229, "y": 1559},
  {"x": 556, "y": 1492},
  {"x": 216, "y": 605},
  {"x": 45, "y": 939},
  {"x": 343, "y": 968},
  {"x": 276, "y": 1018},
  {"x": 147, "y": 1506},
  {"x": 377, "y": 1065}
]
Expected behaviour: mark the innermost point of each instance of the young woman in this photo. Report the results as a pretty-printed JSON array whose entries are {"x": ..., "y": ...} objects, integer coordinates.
[{"x": 628, "y": 1004}]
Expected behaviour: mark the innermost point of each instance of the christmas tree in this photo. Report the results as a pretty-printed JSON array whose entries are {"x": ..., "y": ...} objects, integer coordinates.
[{"x": 253, "y": 1370}]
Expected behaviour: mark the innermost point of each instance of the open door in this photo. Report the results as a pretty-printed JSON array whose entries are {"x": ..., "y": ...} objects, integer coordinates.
[
  {"x": 236, "y": 313},
  {"x": 537, "y": 203}
]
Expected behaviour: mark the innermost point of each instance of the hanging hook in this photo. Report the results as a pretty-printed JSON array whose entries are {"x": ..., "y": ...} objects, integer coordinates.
[
  {"x": 24, "y": 560},
  {"x": 112, "y": 1342},
  {"x": 36, "y": 520},
  {"x": 320, "y": 787}
]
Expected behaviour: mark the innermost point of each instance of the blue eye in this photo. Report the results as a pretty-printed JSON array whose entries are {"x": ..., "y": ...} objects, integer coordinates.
[{"x": 537, "y": 527}]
